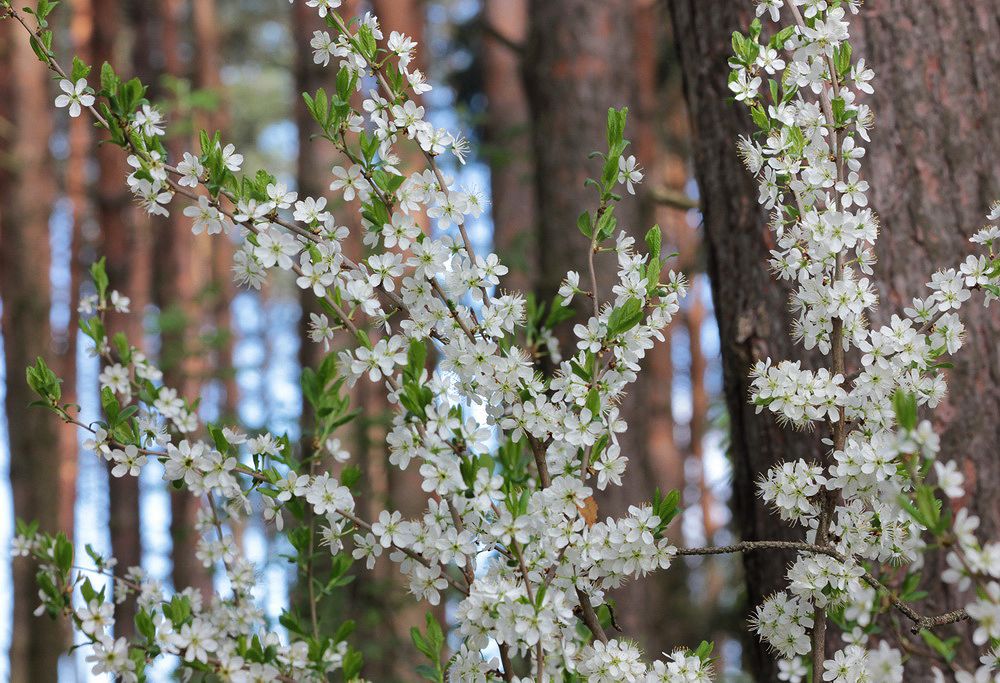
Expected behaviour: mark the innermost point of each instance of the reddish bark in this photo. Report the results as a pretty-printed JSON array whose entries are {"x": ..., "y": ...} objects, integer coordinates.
[
  {"x": 125, "y": 243},
  {"x": 27, "y": 191},
  {"x": 507, "y": 138}
]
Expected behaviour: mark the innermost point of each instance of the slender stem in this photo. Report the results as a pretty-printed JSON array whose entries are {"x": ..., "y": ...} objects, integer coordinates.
[
  {"x": 538, "y": 450},
  {"x": 508, "y": 667},
  {"x": 590, "y": 616},
  {"x": 313, "y": 618},
  {"x": 920, "y": 621}
]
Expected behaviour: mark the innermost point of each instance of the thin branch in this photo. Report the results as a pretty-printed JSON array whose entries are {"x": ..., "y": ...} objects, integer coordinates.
[
  {"x": 920, "y": 621},
  {"x": 508, "y": 667},
  {"x": 494, "y": 33},
  {"x": 590, "y": 616},
  {"x": 674, "y": 199}
]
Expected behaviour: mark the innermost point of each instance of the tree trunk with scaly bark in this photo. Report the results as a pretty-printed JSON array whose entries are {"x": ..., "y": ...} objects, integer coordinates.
[
  {"x": 26, "y": 194},
  {"x": 934, "y": 172}
]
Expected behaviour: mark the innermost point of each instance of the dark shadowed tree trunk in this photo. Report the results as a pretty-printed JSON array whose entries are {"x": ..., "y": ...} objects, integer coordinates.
[
  {"x": 27, "y": 191},
  {"x": 181, "y": 276},
  {"x": 934, "y": 171}
]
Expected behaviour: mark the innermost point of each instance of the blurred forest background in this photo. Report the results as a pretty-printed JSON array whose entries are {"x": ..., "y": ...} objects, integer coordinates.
[{"x": 530, "y": 92}]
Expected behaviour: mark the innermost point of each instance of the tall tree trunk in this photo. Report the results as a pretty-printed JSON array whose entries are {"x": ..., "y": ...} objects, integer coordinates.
[
  {"x": 26, "y": 195},
  {"x": 125, "y": 242},
  {"x": 933, "y": 173},
  {"x": 182, "y": 276},
  {"x": 581, "y": 59},
  {"x": 207, "y": 76},
  {"x": 751, "y": 308},
  {"x": 507, "y": 134},
  {"x": 80, "y": 140}
]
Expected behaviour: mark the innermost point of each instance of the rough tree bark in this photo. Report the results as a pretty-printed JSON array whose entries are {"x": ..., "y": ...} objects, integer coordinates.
[
  {"x": 27, "y": 191},
  {"x": 379, "y": 603},
  {"x": 934, "y": 171},
  {"x": 372, "y": 601}
]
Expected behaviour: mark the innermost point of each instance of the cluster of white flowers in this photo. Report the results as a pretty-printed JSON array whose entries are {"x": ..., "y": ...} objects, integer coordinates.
[
  {"x": 515, "y": 535},
  {"x": 868, "y": 499},
  {"x": 617, "y": 661},
  {"x": 509, "y": 456}
]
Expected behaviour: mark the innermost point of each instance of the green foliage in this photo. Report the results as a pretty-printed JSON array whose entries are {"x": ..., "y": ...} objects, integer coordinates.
[
  {"x": 625, "y": 317},
  {"x": 842, "y": 58},
  {"x": 430, "y": 643},
  {"x": 324, "y": 392},
  {"x": 44, "y": 382},
  {"x": 905, "y": 406},
  {"x": 746, "y": 49},
  {"x": 666, "y": 508}
]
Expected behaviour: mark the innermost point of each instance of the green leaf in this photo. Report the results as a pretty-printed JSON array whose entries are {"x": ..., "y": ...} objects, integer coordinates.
[
  {"x": 616, "y": 126},
  {"x": 99, "y": 275},
  {"x": 704, "y": 651},
  {"x": 929, "y": 506},
  {"x": 654, "y": 240},
  {"x": 63, "y": 553},
  {"x": 905, "y": 406},
  {"x": 779, "y": 39},
  {"x": 80, "y": 70},
  {"x": 666, "y": 507},
  {"x": 365, "y": 40},
  {"x": 353, "y": 662},
  {"x": 110, "y": 405},
  {"x": 625, "y": 317},
  {"x": 606, "y": 224},
  {"x": 583, "y": 225},
  {"x": 416, "y": 358},
  {"x": 418, "y": 641},
  {"x": 43, "y": 381},
  {"x": 221, "y": 443},
  {"x": 109, "y": 80},
  {"x": 760, "y": 118},
  {"x": 943, "y": 648},
  {"x": 144, "y": 625},
  {"x": 87, "y": 591},
  {"x": 842, "y": 58}
]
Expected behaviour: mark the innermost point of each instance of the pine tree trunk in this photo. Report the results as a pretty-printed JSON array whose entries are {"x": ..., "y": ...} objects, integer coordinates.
[
  {"x": 27, "y": 191},
  {"x": 180, "y": 280},
  {"x": 398, "y": 611},
  {"x": 377, "y": 601},
  {"x": 507, "y": 138},
  {"x": 207, "y": 76},
  {"x": 934, "y": 171},
  {"x": 125, "y": 243}
]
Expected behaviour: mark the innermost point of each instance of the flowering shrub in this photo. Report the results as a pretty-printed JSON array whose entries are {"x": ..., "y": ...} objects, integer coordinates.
[{"x": 510, "y": 456}]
